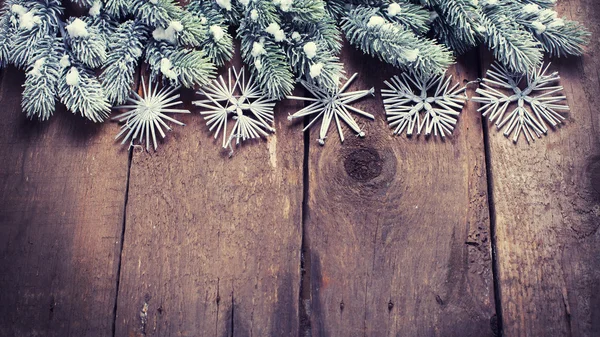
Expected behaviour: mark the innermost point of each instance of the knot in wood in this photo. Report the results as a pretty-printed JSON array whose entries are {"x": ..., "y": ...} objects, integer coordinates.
[{"x": 363, "y": 164}]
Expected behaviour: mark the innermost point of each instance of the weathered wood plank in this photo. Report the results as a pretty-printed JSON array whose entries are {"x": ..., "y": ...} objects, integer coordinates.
[
  {"x": 63, "y": 190},
  {"x": 398, "y": 229},
  {"x": 547, "y": 205},
  {"x": 212, "y": 244}
]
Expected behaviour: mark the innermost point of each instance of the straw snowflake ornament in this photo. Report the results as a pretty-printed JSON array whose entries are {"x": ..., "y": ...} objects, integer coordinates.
[
  {"x": 536, "y": 105},
  {"x": 327, "y": 106},
  {"x": 240, "y": 100},
  {"x": 147, "y": 114},
  {"x": 417, "y": 110}
]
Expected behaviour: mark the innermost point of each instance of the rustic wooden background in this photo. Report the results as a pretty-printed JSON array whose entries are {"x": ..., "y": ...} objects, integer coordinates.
[{"x": 381, "y": 236}]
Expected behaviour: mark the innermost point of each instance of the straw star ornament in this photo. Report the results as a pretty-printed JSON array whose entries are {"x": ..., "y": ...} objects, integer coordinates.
[
  {"x": 328, "y": 106},
  {"x": 417, "y": 110},
  {"x": 239, "y": 100},
  {"x": 147, "y": 114},
  {"x": 536, "y": 105}
]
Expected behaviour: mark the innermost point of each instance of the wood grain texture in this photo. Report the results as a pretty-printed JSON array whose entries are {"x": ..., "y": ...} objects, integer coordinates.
[
  {"x": 547, "y": 204},
  {"x": 212, "y": 244},
  {"x": 63, "y": 190},
  {"x": 397, "y": 228}
]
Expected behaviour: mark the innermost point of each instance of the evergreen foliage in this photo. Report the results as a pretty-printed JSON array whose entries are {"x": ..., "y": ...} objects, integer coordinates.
[
  {"x": 90, "y": 62},
  {"x": 64, "y": 55},
  {"x": 394, "y": 43}
]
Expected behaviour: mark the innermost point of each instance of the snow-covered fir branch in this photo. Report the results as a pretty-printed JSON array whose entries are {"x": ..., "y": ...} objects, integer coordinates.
[
  {"x": 218, "y": 45},
  {"x": 40, "y": 88},
  {"x": 282, "y": 42},
  {"x": 62, "y": 55},
  {"x": 125, "y": 47},
  {"x": 518, "y": 32},
  {"x": 393, "y": 43}
]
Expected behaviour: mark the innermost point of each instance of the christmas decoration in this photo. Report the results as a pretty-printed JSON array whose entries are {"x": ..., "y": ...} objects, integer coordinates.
[
  {"x": 539, "y": 94},
  {"x": 440, "y": 110},
  {"x": 147, "y": 114},
  {"x": 281, "y": 41},
  {"x": 327, "y": 105},
  {"x": 241, "y": 99},
  {"x": 61, "y": 54}
]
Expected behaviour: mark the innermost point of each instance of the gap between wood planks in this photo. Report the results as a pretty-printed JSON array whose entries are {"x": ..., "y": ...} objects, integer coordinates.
[
  {"x": 305, "y": 290},
  {"x": 491, "y": 207},
  {"x": 118, "y": 278},
  {"x": 124, "y": 222}
]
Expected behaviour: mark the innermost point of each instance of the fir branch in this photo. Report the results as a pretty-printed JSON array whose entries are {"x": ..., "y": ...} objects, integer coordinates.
[
  {"x": 218, "y": 45},
  {"x": 180, "y": 66},
  {"x": 406, "y": 14},
  {"x": 87, "y": 42},
  {"x": 449, "y": 37},
  {"x": 325, "y": 31},
  {"x": 564, "y": 40},
  {"x": 306, "y": 11},
  {"x": 158, "y": 13},
  {"x": 82, "y": 93},
  {"x": 231, "y": 10},
  {"x": 558, "y": 36},
  {"x": 20, "y": 48},
  {"x": 227, "y": 10},
  {"x": 192, "y": 68},
  {"x": 394, "y": 44},
  {"x": 322, "y": 68},
  {"x": 267, "y": 59},
  {"x": 335, "y": 8},
  {"x": 31, "y": 23},
  {"x": 5, "y": 40},
  {"x": 105, "y": 24},
  {"x": 259, "y": 14},
  {"x": 281, "y": 41},
  {"x": 463, "y": 16},
  {"x": 125, "y": 48},
  {"x": 194, "y": 30},
  {"x": 512, "y": 46},
  {"x": 118, "y": 8},
  {"x": 83, "y": 3},
  {"x": 541, "y": 3},
  {"x": 273, "y": 71},
  {"x": 40, "y": 87},
  {"x": 313, "y": 44}
]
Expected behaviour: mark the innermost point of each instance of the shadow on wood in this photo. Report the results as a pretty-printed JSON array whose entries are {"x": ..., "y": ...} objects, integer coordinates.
[{"x": 63, "y": 190}]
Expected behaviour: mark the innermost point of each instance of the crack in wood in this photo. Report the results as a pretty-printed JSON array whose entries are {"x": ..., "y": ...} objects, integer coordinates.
[
  {"x": 217, "y": 300},
  {"x": 567, "y": 311},
  {"x": 232, "y": 309}
]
